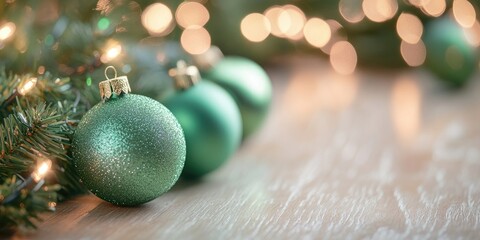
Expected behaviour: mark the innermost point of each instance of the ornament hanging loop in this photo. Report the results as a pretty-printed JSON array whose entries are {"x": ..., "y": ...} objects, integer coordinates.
[
  {"x": 114, "y": 72},
  {"x": 116, "y": 85}
]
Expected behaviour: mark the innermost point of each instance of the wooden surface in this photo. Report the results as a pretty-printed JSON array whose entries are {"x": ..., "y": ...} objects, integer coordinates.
[{"x": 380, "y": 154}]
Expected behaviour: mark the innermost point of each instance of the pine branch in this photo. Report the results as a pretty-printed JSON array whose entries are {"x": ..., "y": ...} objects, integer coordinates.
[
  {"x": 37, "y": 125},
  {"x": 24, "y": 210}
]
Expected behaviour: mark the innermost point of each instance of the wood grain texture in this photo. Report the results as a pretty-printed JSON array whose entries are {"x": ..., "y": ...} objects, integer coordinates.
[{"x": 380, "y": 155}]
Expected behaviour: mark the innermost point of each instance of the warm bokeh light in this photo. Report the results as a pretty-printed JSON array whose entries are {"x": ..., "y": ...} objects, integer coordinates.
[
  {"x": 112, "y": 51},
  {"x": 273, "y": 15},
  {"x": 409, "y": 28},
  {"x": 195, "y": 40},
  {"x": 351, "y": 10},
  {"x": 317, "y": 32},
  {"x": 292, "y": 21},
  {"x": 158, "y": 19},
  {"x": 472, "y": 34},
  {"x": 464, "y": 13},
  {"x": 191, "y": 14},
  {"x": 284, "y": 22},
  {"x": 413, "y": 54},
  {"x": 255, "y": 27},
  {"x": 343, "y": 57},
  {"x": 52, "y": 205},
  {"x": 7, "y": 30},
  {"x": 42, "y": 169},
  {"x": 406, "y": 108},
  {"x": 27, "y": 86},
  {"x": 41, "y": 70},
  {"x": 336, "y": 35},
  {"x": 380, "y": 10},
  {"x": 434, "y": 8}
]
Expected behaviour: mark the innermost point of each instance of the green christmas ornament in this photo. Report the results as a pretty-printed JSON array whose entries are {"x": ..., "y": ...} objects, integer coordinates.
[
  {"x": 210, "y": 119},
  {"x": 249, "y": 85},
  {"x": 449, "y": 55},
  {"x": 128, "y": 149}
]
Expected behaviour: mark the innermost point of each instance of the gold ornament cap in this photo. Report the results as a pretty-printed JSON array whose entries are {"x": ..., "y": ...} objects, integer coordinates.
[
  {"x": 185, "y": 76},
  {"x": 116, "y": 85}
]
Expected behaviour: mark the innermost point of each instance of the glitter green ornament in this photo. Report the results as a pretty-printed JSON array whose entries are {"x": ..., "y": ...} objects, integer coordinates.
[
  {"x": 128, "y": 149},
  {"x": 210, "y": 119}
]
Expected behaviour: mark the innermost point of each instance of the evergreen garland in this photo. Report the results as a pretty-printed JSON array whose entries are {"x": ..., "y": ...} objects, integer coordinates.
[{"x": 36, "y": 126}]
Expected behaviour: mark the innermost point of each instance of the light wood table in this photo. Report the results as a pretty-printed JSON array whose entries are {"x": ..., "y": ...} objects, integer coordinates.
[{"x": 379, "y": 154}]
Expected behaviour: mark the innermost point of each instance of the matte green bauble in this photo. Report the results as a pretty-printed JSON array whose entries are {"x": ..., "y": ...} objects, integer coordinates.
[
  {"x": 212, "y": 125},
  {"x": 129, "y": 149},
  {"x": 249, "y": 85},
  {"x": 449, "y": 55}
]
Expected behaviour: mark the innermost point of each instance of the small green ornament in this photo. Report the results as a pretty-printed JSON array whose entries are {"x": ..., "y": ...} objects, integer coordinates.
[
  {"x": 249, "y": 85},
  {"x": 449, "y": 55},
  {"x": 210, "y": 119},
  {"x": 129, "y": 149}
]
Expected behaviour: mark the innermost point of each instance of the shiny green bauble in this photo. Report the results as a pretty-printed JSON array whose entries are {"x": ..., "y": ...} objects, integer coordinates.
[
  {"x": 449, "y": 55},
  {"x": 211, "y": 123},
  {"x": 249, "y": 85},
  {"x": 129, "y": 150}
]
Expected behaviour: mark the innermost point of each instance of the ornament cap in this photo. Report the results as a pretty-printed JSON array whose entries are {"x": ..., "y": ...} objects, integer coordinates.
[
  {"x": 185, "y": 76},
  {"x": 117, "y": 85}
]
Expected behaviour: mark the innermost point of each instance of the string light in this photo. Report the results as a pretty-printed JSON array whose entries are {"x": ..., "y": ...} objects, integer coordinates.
[
  {"x": 413, "y": 54},
  {"x": 284, "y": 22},
  {"x": 317, "y": 32},
  {"x": 379, "y": 10},
  {"x": 343, "y": 57},
  {"x": 42, "y": 170},
  {"x": 7, "y": 30},
  {"x": 52, "y": 205},
  {"x": 273, "y": 15},
  {"x": 113, "y": 50},
  {"x": 292, "y": 20},
  {"x": 21, "y": 90},
  {"x": 464, "y": 13},
  {"x": 27, "y": 86},
  {"x": 434, "y": 8},
  {"x": 336, "y": 35},
  {"x": 351, "y": 10},
  {"x": 41, "y": 70},
  {"x": 255, "y": 27},
  {"x": 195, "y": 40},
  {"x": 37, "y": 177},
  {"x": 472, "y": 34},
  {"x": 158, "y": 19},
  {"x": 409, "y": 28},
  {"x": 190, "y": 14}
]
